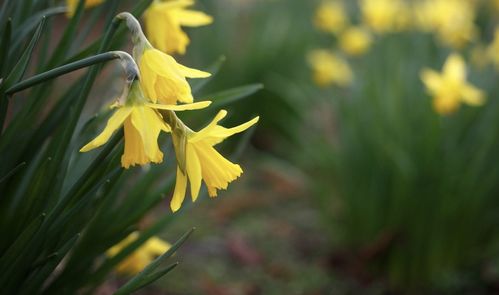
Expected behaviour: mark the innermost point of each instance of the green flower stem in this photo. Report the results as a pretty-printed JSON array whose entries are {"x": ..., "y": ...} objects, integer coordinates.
[{"x": 56, "y": 72}]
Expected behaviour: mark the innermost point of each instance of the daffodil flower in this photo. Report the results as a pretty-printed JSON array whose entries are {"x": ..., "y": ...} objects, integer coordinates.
[
  {"x": 163, "y": 78},
  {"x": 355, "y": 41},
  {"x": 328, "y": 68},
  {"x": 204, "y": 163},
  {"x": 331, "y": 16},
  {"x": 139, "y": 259},
  {"x": 142, "y": 125},
  {"x": 450, "y": 87},
  {"x": 164, "y": 20}
]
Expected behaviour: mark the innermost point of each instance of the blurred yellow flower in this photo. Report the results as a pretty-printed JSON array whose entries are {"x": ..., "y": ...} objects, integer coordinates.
[
  {"x": 164, "y": 20},
  {"x": 203, "y": 162},
  {"x": 164, "y": 80},
  {"x": 451, "y": 20},
  {"x": 72, "y": 4},
  {"x": 328, "y": 68},
  {"x": 355, "y": 41},
  {"x": 142, "y": 125},
  {"x": 450, "y": 88},
  {"x": 384, "y": 16},
  {"x": 139, "y": 259},
  {"x": 331, "y": 16},
  {"x": 492, "y": 51}
]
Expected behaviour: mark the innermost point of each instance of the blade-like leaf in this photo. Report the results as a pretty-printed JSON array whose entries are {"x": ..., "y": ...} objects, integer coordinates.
[
  {"x": 145, "y": 277},
  {"x": 226, "y": 97}
]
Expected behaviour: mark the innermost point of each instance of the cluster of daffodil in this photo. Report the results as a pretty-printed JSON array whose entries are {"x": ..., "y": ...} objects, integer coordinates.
[
  {"x": 155, "y": 90},
  {"x": 452, "y": 22}
]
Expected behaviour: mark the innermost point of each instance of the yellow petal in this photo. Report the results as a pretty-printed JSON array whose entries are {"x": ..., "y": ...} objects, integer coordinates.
[
  {"x": 181, "y": 107},
  {"x": 455, "y": 68},
  {"x": 432, "y": 80},
  {"x": 192, "y": 73},
  {"x": 149, "y": 125},
  {"x": 472, "y": 95},
  {"x": 214, "y": 134},
  {"x": 445, "y": 105},
  {"x": 219, "y": 116},
  {"x": 193, "y": 168},
  {"x": 217, "y": 171},
  {"x": 112, "y": 124},
  {"x": 191, "y": 18},
  {"x": 179, "y": 193},
  {"x": 155, "y": 246},
  {"x": 134, "y": 153}
]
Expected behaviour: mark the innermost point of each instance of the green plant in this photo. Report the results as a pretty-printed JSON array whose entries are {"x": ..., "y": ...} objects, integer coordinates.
[{"x": 60, "y": 210}]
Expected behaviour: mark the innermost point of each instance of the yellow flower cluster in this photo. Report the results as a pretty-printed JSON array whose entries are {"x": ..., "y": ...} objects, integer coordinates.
[
  {"x": 149, "y": 102},
  {"x": 452, "y": 22}
]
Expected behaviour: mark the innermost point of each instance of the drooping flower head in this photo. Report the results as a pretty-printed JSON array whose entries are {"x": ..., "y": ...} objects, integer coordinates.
[
  {"x": 141, "y": 120},
  {"x": 450, "y": 87},
  {"x": 72, "y": 4},
  {"x": 328, "y": 68},
  {"x": 164, "y": 21},
  {"x": 200, "y": 161},
  {"x": 163, "y": 78},
  {"x": 141, "y": 257}
]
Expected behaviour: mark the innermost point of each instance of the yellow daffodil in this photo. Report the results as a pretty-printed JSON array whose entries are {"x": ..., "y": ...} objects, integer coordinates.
[
  {"x": 72, "y": 4},
  {"x": 204, "y": 163},
  {"x": 139, "y": 259},
  {"x": 384, "y": 16},
  {"x": 331, "y": 16},
  {"x": 450, "y": 88},
  {"x": 164, "y": 80},
  {"x": 355, "y": 41},
  {"x": 142, "y": 125},
  {"x": 328, "y": 69},
  {"x": 451, "y": 20},
  {"x": 492, "y": 51},
  {"x": 164, "y": 20}
]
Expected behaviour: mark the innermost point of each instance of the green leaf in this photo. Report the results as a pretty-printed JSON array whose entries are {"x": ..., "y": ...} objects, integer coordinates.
[
  {"x": 25, "y": 28},
  {"x": 64, "y": 44},
  {"x": 17, "y": 73},
  {"x": 227, "y": 97},
  {"x": 12, "y": 172},
  {"x": 198, "y": 84},
  {"x": 34, "y": 284},
  {"x": 147, "y": 280},
  {"x": 148, "y": 275},
  {"x": 5, "y": 45},
  {"x": 11, "y": 261}
]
